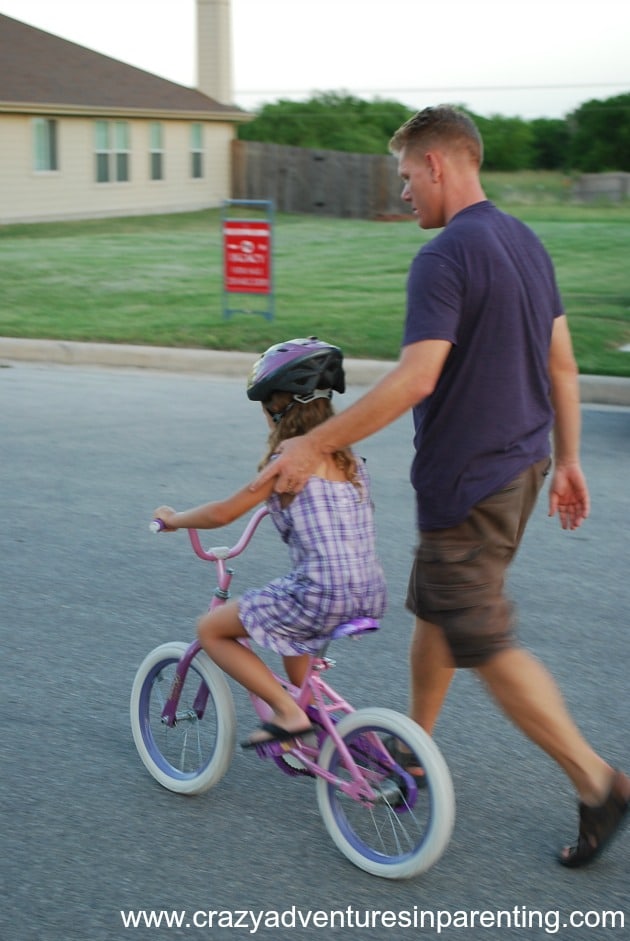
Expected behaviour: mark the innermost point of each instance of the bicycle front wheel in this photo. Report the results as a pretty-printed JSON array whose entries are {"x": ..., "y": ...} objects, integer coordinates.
[
  {"x": 195, "y": 753},
  {"x": 403, "y": 830}
]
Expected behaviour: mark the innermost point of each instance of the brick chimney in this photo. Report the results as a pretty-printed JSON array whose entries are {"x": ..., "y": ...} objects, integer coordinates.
[{"x": 214, "y": 50}]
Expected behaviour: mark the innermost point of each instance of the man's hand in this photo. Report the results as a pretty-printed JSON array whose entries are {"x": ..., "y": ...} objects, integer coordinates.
[
  {"x": 568, "y": 495},
  {"x": 297, "y": 459}
]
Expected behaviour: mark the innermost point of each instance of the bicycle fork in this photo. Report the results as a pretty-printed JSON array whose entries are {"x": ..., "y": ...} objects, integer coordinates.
[{"x": 170, "y": 716}]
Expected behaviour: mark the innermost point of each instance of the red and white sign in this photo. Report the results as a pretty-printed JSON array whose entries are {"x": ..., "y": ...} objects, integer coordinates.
[{"x": 247, "y": 256}]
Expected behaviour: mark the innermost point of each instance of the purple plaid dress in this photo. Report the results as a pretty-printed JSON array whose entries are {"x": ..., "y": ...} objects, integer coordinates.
[{"x": 336, "y": 575}]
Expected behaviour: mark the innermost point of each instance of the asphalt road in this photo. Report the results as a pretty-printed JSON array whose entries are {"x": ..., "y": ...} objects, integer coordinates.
[{"x": 85, "y": 456}]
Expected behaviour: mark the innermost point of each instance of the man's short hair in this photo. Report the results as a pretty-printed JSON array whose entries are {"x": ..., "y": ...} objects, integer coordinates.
[{"x": 443, "y": 124}]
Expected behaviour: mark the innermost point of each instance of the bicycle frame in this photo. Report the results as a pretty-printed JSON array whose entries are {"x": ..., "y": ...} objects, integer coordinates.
[
  {"x": 219, "y": 555},
  {"x": 316, "y": 697}
]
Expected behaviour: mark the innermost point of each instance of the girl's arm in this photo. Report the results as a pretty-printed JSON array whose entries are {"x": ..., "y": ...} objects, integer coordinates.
[{"x": 215, "y": 514}]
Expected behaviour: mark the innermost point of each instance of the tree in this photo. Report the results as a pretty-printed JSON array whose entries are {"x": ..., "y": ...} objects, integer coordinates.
[
  {"x": 594, "y": 138},
  {"x": 600, "y": 135},
  {"x": 508, "y": 142},
  {"x": 330, "y": 120},
  {"x": 551, "y": 142}
]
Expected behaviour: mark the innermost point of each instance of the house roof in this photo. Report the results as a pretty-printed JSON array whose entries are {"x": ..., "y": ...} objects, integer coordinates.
[{"x": 42, "y": 72}]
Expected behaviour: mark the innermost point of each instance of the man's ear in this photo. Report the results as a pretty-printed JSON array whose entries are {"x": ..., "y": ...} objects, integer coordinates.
[{"x": 434, "y": 163}]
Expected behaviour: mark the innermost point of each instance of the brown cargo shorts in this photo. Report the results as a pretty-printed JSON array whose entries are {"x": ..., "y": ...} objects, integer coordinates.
[{"x": 458, "y": 577}]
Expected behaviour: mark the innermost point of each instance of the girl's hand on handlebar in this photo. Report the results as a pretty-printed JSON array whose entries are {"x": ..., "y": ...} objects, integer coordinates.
[{"x": 166, "y": 515}]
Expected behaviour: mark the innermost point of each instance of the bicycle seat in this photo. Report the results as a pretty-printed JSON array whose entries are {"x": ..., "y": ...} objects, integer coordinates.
[{"x": 355, "y": 627}]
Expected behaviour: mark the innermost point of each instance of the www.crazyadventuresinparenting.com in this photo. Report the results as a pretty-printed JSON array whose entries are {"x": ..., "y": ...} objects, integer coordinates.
[{"x": 552, "y": 921}]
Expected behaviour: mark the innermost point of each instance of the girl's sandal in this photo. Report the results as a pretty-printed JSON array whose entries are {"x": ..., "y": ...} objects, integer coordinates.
[
  {"x": 407, "y": 760},
  {"x": 598, "y": 825}
]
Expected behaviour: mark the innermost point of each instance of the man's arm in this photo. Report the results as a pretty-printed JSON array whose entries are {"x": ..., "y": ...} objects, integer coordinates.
[
  {"x": 412, "y": 379},
  {"x": 568, "y": 493}
]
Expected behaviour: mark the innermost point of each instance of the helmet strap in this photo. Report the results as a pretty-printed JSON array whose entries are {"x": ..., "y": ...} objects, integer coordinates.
[
  {"x": 301, "y": 400},
  {"x": 311, "y": 396}
]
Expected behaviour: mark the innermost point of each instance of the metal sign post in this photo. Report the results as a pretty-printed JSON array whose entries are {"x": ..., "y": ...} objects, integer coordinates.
[{"x": 247, "y": 256}]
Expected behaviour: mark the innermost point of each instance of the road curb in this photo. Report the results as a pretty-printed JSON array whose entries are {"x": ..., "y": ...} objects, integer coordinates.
[
  {"x": 594, "y": 390},
  {"x": 167, "y": 359}
]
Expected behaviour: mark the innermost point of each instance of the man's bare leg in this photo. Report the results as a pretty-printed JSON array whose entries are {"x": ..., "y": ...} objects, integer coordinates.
[
  {"x": 432, "y": 670},
  {"x": 527, "y": 693}
]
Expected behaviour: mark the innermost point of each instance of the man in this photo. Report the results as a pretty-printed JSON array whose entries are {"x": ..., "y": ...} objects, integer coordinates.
[{"x": 487, "y": 366}]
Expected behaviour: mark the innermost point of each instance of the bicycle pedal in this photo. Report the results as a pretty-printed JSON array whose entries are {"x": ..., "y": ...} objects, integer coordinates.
[{"x": 310, "y": 740}]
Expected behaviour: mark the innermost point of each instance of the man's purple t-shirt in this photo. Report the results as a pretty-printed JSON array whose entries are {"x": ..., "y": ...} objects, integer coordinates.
[{"x": 487, "y": 285}]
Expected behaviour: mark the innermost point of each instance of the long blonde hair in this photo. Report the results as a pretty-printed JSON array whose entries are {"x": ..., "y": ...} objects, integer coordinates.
[{"x": 298, "y": 419}]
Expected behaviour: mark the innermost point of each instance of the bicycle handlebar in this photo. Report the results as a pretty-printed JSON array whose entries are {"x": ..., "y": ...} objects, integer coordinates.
[{"x": 219, "y": 553}]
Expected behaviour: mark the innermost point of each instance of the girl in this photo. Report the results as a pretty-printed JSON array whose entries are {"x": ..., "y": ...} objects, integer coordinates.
[{"x": 329, "y": 530}]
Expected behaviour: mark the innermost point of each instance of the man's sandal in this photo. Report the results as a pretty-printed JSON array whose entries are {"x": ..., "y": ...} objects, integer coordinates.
[
  {"x": 598, "y": 825},
  {"x": 406, "y": 759}
]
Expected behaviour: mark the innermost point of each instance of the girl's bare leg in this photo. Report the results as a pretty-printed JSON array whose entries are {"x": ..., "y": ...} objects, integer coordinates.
[
  {"x": 296, "y": 668},
  {"x": 218, "y": 632}
]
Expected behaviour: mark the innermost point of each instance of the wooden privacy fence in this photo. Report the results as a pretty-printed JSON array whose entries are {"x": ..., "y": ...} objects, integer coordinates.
[
  {"x": 604, "y": 187},
  {"x": 324, "y": 182}
]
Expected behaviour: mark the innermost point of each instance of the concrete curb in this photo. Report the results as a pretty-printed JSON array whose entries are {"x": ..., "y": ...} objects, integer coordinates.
[
  {"x": 595, "y": 390},
  {"x": 167, "y": 359}
]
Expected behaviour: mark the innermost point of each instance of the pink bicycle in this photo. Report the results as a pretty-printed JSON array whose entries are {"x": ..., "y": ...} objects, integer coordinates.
[{"x": 184, "y": 727}]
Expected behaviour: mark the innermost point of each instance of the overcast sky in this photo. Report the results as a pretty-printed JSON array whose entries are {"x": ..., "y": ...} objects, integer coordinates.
[{"x": 538, "y": 58}]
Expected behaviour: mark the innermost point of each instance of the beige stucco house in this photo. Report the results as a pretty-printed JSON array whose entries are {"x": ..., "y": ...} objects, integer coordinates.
[{"x": 83, "y": 135}]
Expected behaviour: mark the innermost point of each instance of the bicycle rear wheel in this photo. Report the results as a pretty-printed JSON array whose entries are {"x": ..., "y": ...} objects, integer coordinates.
[
  {"x": 404, "y": 830},
  {"x": 195, "y": 753}
]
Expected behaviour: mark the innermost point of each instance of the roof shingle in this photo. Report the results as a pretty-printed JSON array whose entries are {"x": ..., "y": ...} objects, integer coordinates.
[{"x": 37, "y": 67}]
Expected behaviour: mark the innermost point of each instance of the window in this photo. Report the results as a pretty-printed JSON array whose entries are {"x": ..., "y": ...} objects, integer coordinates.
[
  {"x": 112, "y": 151},
  {"x": 102, "y": 151},
  {"x": 45, "y": 144},
  {"x": 156, "y": 154},
  {"x": 121, "y": 143},
  {"x": 196, "y": 151}
]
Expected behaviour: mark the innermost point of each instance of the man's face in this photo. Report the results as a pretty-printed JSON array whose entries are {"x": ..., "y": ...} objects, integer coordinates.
[{"x": 421, "y": 187}]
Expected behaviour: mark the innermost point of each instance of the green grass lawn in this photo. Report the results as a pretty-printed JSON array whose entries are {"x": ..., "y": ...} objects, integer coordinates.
[{"x": 157, "y": 280}]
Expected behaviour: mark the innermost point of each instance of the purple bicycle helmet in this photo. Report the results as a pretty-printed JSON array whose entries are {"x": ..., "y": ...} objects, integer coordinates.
[{"x": 300, "y": 366}]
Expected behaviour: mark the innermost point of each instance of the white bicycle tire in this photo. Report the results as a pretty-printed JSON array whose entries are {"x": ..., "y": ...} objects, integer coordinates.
[
  {"x": 427, "y": 846},
  {"x": 221, "y": 714}
]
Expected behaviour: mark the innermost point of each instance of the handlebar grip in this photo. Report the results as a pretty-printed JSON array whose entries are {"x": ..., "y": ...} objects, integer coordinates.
[{"x": 156, "y": 526}]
